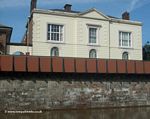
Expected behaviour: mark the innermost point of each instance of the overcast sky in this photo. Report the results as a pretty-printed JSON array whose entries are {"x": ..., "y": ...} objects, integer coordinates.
[{"x": 14, "y": 13}]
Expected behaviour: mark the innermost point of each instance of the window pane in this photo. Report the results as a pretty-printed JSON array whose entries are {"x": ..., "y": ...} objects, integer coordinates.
[
  {"x": 129, "y": 42},
  {"x": 61, "y": 36},
  {"x": 57, "y": 36},
  {"x": 52, "y": 36},
  {"x": 93, "y": 40},
  {"x": 55, "y": 32},
  {"x": 54, "y": 51},
  {"x": 92, "y": 35},
  {"x": 92, "y": 54},
  {"x": 125, "y": 56},
  {"x": 120, "y": 38},
  {"x": 125, "y": 36},
  {"x": 124, "y": 42},
  {"x": 129, "y": 39},
  {"x": 125, "y": 39},
  {"x": 48, "y": 36},
  {"x": 48, "y": 28}
]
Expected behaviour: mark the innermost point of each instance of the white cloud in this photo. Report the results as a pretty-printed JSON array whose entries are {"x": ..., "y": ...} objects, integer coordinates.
[{"x": 134, "y": 4}]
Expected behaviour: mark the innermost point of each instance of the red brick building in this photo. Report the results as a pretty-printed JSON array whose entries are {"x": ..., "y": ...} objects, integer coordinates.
[{"x": 5, "y": 35}]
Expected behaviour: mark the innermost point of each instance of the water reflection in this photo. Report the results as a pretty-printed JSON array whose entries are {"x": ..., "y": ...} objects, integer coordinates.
[{"x": 125, "y": 113}]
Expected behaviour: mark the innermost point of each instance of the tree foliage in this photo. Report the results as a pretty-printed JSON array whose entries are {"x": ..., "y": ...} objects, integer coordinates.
[{"x": 146, "y": 51}]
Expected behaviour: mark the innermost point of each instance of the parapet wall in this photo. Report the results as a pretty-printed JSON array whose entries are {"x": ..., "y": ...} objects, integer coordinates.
[{"x": 72, "y": 65}]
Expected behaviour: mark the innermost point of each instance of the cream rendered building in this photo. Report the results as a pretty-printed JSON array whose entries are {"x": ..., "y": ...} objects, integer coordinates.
[{"x": 89, "y": 34}]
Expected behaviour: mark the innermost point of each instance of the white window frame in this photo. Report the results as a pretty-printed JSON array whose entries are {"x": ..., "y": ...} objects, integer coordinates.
[
  {"x": 50, "y": 32},
  {"x": 127, "y": 55},
  {"x": 97, "y": 27},
  {"x": 90, "y": 51},
  {"x": 52, "y": 50},
  {"x": 129, "y": 39}
]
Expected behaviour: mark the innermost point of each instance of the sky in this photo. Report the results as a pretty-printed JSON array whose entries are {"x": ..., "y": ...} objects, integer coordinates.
[{"x": 15, "y": 13}]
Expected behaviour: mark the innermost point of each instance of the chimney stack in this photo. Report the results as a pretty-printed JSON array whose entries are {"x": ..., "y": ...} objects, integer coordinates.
[
  {"x": 67, "y": 8},
  {"x": 33, "y": 5},
  {"x": 126, "y": 16}
]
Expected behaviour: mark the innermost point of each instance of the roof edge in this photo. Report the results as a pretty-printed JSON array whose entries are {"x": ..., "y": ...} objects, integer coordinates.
[
  {"x": 42, "y": 11},
  {"x": 93, "y": 9}
]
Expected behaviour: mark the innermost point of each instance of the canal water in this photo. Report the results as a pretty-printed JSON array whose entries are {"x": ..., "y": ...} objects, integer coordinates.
[{"x": 124, "y": 113}]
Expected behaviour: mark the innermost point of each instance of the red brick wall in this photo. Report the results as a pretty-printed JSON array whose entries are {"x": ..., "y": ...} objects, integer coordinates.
[{"x": 71, "y": 65}]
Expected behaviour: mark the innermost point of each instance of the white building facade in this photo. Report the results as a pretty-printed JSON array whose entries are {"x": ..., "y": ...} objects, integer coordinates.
[{"x": 89, "y": 34}]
